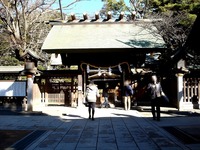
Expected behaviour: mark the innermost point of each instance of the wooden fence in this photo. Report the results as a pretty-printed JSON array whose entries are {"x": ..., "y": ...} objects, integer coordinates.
[
  {"x": 191, "y": 89},
  {"x": 56, "y": 98}
]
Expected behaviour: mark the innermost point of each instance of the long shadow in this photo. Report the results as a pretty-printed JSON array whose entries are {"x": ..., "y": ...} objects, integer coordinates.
[
  {"x": 174, "y": 113},
  {"x": 182, "y": 113},
  {"x": 120, "y": 126},
  {"x": 19, "y": 112}
]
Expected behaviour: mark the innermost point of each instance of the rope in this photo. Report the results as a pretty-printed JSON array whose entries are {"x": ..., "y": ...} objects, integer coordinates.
[{"x": 97, "y": 67}]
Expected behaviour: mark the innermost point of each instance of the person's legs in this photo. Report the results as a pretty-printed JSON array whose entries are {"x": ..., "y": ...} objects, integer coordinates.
[
  {"x": 89, "y": 109},
  {"x": 115, "y": 97},
  {"x": 153, "y": 109},
  {"x": 158, "y": 108},
  {"x": 106, "y": 101},
  {"x": 93, "y": 109},
  {"x": 125, "y": 102},
  {"x": 128, "y": 103}
]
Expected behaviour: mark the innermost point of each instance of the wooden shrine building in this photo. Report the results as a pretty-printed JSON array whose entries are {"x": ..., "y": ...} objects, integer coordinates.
[
  {"x": 103, "y": 50},
  {"x": 107, "y": 51}
]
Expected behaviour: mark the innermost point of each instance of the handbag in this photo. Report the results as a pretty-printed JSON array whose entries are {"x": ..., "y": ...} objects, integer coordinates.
[{"x": 165, "y": 98}]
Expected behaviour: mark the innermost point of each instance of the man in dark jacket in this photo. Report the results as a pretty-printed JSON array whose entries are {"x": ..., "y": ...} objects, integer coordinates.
[
  {"x": 105, "y": 96},
  {"x": 155, "y": 92}
]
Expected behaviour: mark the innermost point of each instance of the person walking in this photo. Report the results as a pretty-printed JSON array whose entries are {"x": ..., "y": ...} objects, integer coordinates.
[
  {"x": 117, "y": 92},
  {"x": 105, "y": 96},
  {"x": 155, "y": 92},
  {"x": 92, "y": 93},
  {"x": 128, "y": 92}
]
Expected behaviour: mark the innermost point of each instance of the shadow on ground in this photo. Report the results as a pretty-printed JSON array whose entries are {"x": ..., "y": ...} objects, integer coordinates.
[{"x": 9, "y": 137}]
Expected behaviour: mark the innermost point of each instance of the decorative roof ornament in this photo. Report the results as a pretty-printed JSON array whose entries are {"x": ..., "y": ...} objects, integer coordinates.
[{"x": 85, "y": 16}]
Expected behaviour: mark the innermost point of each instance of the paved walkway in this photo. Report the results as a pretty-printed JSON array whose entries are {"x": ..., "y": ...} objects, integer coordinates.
[{"x": 66, "y": 128}]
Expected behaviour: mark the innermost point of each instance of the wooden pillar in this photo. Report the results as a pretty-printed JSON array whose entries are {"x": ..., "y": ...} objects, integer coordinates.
[
  {"x": 179, "y": 90},
  {"x": 84, "y": 84},
  {"x": 80, "y": 91}
]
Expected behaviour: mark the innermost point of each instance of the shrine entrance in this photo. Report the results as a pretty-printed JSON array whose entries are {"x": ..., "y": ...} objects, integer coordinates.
[
  {"x": 114, "y": 91},
  {"x": 68, "y": 87},
  {"x": 110, "y": 76}
]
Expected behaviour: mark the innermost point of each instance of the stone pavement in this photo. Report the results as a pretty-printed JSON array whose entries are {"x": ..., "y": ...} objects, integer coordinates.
[{"x": 64, "y": 128}]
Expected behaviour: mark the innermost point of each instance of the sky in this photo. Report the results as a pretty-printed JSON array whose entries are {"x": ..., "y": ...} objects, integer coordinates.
[{"x": 84, "y": 6}]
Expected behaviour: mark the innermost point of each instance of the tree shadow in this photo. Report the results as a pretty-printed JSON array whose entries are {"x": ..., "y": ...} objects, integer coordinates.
[{"x": 142, "y": 44}]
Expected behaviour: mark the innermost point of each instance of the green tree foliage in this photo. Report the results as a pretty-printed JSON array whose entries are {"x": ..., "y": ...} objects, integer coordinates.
[
  {"x": 191, "y": 6},
  {"x": 10, "y": 61},
  {"x": 114, "y": 6},
  {"x": 178, "y": 17}
]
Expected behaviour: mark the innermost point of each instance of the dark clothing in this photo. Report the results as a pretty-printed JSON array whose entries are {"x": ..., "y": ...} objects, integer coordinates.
[
  {"x": 91, "y": 106},
  {"x": 105, "y": 95},
  {"x": 155, "y": 108},
  {"x": 155, "y": 92},
  {"x": 105, "y": 92},
  {"x": 128, "y": 91}
]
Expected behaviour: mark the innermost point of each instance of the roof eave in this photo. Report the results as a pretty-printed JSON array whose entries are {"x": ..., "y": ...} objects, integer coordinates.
[{"x": 103, "y": 50}]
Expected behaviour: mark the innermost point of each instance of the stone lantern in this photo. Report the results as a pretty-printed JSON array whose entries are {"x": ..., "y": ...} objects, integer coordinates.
[{"x": 30, "y": 70}]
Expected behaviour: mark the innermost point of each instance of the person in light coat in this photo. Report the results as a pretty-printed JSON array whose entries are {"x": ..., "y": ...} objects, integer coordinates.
[{"x": 92, "y": 93}]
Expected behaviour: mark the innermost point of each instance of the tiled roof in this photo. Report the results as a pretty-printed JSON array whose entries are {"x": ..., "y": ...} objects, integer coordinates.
[{"x": 95, "y": 36}]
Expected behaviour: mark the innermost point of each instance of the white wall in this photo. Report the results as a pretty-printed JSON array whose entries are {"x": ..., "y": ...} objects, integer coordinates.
[{"x": 12, "y": 88}]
